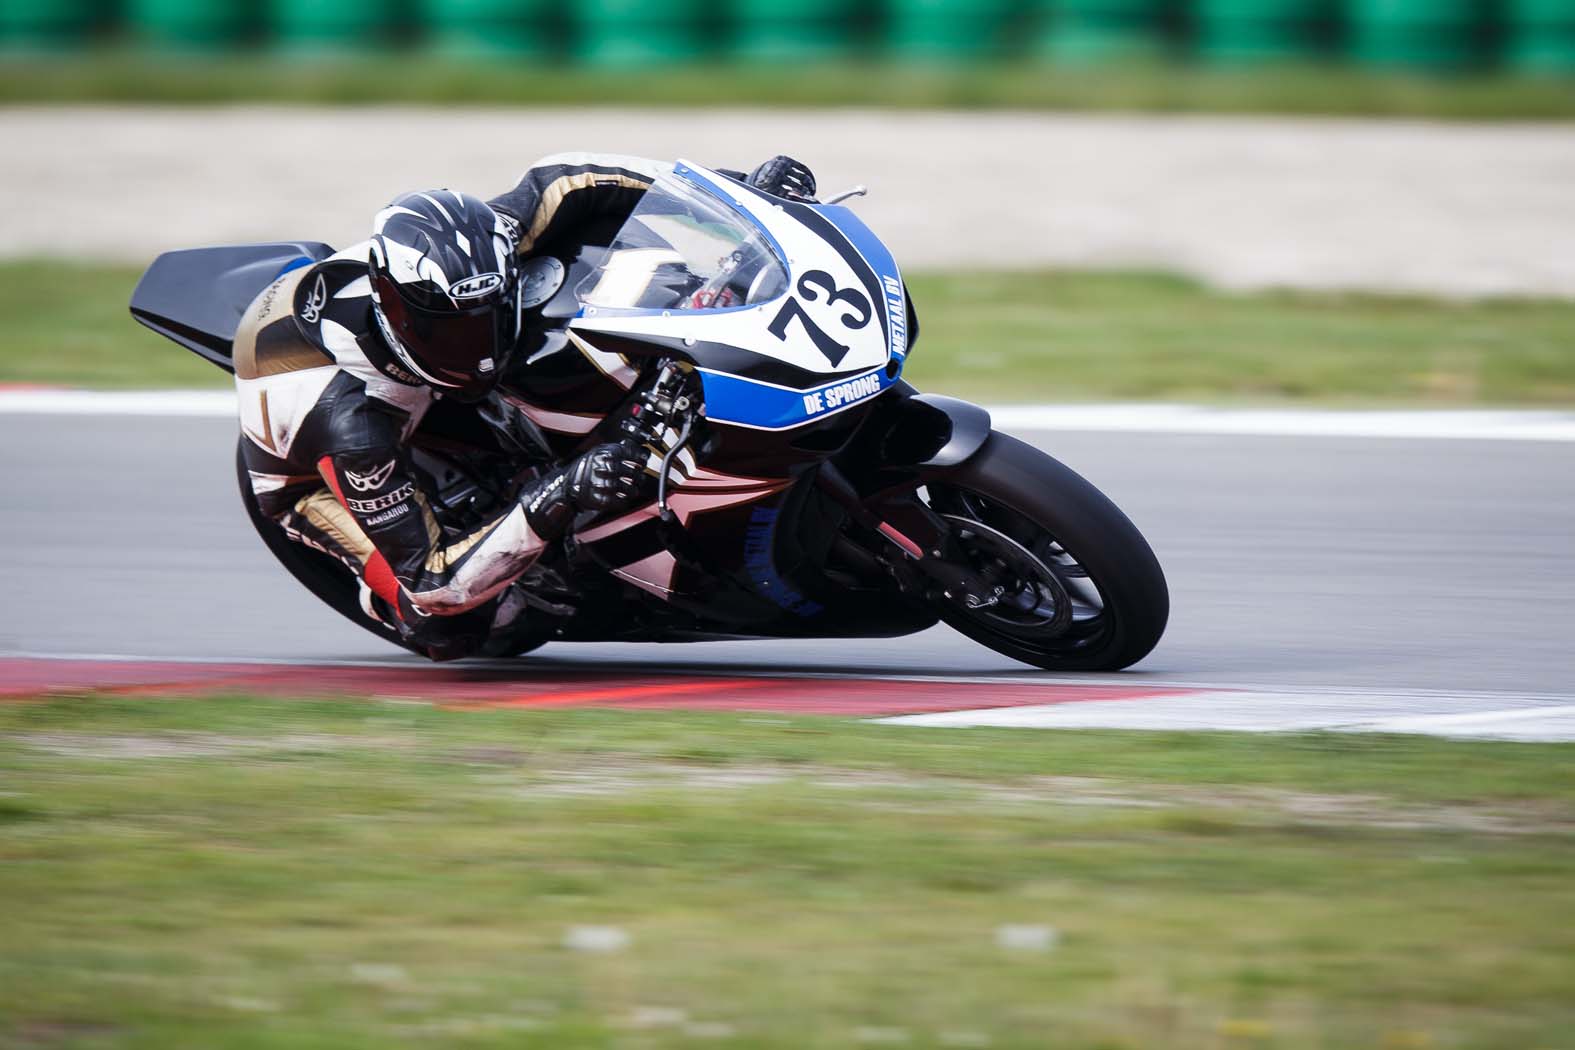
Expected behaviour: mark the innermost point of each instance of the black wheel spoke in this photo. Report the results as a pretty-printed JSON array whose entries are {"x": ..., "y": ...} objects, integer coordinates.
[
  {"x": 1046, "y": 593},
  {"x": 1028, "y": 598},
  {"x": 1080, "y": 589}
]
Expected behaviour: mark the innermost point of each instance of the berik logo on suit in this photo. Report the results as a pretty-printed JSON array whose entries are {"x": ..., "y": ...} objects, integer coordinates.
[{"x": 372, "y": 479}]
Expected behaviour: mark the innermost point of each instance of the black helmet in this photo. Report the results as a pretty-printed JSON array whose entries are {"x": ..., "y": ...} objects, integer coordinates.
[{"x": 445, "y": 289}]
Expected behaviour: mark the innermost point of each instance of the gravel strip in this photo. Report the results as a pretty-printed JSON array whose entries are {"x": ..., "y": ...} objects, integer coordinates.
[{"x": 1456, "y": 210}]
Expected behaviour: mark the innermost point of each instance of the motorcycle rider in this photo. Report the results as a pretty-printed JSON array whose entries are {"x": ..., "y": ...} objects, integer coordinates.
[{"x": 337, "y": 363}]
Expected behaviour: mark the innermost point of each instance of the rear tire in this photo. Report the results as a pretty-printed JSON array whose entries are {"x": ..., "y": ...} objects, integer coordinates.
[{"x": 1035, "y": 499}]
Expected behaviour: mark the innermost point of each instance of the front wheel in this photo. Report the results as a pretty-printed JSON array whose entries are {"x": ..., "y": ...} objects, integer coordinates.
[{"x": 1076, "y": 586}]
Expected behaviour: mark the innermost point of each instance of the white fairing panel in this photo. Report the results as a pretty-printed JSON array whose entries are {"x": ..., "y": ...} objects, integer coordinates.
[
  {"x": 823, "y": 284},
  {"x": 709, "y": 263}
]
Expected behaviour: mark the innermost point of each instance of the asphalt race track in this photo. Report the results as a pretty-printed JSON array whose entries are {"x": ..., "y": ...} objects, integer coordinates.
[{"x": 1421, "y": 578}]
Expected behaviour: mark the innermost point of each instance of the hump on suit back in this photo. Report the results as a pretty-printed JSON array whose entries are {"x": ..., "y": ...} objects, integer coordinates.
[{"x": 197, "y": 296}]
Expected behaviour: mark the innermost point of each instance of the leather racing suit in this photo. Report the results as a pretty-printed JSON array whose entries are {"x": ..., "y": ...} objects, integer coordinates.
[{"x": 326, "y": 410}]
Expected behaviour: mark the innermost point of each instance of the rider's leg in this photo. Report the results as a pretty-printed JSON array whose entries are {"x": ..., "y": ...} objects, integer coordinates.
[{"x": 320, "y": 521}]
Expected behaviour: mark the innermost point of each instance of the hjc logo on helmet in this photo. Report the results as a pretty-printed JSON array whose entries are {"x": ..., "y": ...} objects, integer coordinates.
[{"x": 476, "y": 287}]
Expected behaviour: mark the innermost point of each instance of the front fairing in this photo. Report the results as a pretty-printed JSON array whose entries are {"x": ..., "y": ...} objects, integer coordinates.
[
  {"x": 828, "y": 336},
  {"x": 737, "y": 283}
]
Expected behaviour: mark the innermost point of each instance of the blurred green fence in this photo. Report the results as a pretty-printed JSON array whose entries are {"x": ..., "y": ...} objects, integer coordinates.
[{"x": 1528, "y": 35}]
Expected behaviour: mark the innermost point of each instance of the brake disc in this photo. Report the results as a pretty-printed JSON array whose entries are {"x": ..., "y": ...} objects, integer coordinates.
[{"x": 1025, "y": 586}]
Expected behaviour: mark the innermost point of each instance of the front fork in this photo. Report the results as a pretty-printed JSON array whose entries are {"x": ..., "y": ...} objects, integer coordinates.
[
  {"x": 913, "y": 439},
  {"x": 916, "y": 548}
]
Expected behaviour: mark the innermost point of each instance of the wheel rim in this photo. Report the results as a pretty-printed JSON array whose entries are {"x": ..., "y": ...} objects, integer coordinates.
[
  {"x": 1084, "y": 617},
  {"x": 1028, "y": 599}
]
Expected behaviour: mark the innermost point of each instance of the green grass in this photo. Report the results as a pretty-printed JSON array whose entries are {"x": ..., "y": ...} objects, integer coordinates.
[
  {"x": 1131, "y": 336},
  {"x": 998, "y": 336},
  {"x": 265, "y": 874},
  {"x": 70, "y": 324},
  {"x": 118, "y": 75}
]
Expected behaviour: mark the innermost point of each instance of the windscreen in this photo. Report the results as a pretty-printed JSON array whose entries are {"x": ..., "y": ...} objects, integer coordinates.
[{"x": 684, "y": 249}]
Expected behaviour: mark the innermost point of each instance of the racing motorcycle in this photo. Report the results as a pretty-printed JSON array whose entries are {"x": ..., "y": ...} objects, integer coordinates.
[{"x": 803, "y": 489}]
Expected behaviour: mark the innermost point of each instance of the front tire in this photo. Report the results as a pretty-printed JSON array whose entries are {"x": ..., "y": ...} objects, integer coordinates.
[{"x": 1102, "y": 602}]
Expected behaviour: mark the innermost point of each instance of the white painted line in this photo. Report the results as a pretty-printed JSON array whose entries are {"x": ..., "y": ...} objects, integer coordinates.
[
  {"x": 394, "y": 659},
  {"x": 1513, "y": 714},
  {"x": 1468, "y": 425},
  {"x": 1465, "y": 424},
  {"x": 1518, "y": 723},
  {"x": 45, "y": 402},
  {"x": 1551, "y": 729},
  {"x": 1461, "y": 715}
]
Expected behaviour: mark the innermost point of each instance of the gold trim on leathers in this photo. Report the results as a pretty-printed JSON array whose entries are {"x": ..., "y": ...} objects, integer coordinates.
[{"x": 268, "y": 341}]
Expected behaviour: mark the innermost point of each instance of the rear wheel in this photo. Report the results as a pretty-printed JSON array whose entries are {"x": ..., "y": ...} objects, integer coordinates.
[{"x": 1075, "y": 585}]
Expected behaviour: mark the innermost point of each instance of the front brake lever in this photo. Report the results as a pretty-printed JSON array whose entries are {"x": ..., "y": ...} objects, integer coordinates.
[{"x": 857, "y": 191}]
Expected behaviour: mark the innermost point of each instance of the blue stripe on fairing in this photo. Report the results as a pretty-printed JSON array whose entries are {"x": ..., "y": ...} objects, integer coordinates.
[
  {"x": 847, "y": 223},
  {"x": 875, "y": 253},
  {"x": 294, "y": 264},
  {"x": 861, "y": 237},
  {"x": 747, "y": 402},
  {"x": 735, "y": 399}
]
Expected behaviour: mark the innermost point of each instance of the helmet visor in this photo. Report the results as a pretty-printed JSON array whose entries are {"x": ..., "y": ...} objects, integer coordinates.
[{"x": 455, "y": 348}]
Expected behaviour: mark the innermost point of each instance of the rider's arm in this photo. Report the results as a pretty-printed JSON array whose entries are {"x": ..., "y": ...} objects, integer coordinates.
[
  {"x": 574, "y": 193},
  {"x": 587, "y": 196}
]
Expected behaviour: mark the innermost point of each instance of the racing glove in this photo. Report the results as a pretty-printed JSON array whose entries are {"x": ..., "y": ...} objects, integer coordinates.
[
  {"x": 606, "y": 479},
  {"x": 784, "y": 177}
]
